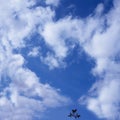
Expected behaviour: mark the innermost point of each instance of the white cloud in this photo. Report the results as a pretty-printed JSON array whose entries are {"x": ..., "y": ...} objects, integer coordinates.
[
  {"x": 19, "y": 21},
  {"x": 104, "y": 47},
  {"x": 51, "y": 61},
  {"x": 59, "y": 37},
  {"x": 23, "y": 93},
  {"x": 105, "y": 101},
  {"x": 23, "y": 89}
]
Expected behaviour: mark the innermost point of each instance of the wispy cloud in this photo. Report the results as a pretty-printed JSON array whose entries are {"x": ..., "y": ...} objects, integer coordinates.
[
  {"x": 53, "y": 2},
  {"x": 34, "y": 52}
]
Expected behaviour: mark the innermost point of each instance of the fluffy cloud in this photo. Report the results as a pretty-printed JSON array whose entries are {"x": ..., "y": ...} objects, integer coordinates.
[
  {"x": 105, "y": 102},
  {"x": 60, "y": 36},
  {"x": 104, "y": 47},
  {"x": 22, "y": 93}
]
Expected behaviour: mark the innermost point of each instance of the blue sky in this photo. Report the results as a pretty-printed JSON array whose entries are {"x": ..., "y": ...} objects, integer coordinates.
[{"x": 57, "y": 55}]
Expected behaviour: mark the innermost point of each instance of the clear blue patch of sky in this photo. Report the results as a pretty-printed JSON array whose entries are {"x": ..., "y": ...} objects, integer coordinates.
[{"x": 80, "y": 8}]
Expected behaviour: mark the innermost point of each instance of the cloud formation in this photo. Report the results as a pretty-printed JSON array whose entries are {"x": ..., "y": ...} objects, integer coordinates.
[
  {"x": 22, "y": 94},
  {"x": 104, "y": 47},
  {"x": 98, "y": 35}
]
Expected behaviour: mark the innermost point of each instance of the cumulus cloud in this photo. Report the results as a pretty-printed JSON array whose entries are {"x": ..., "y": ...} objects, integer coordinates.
[
  {"x": 104, "y": 47},
  {"x": 105, "y": 102},
  {"x": 60, "y": 36},
  {"x": 22, "y": 93}
]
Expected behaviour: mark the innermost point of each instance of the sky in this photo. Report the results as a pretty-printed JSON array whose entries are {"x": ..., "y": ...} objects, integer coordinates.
[{"x": 57, "y": 55}]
